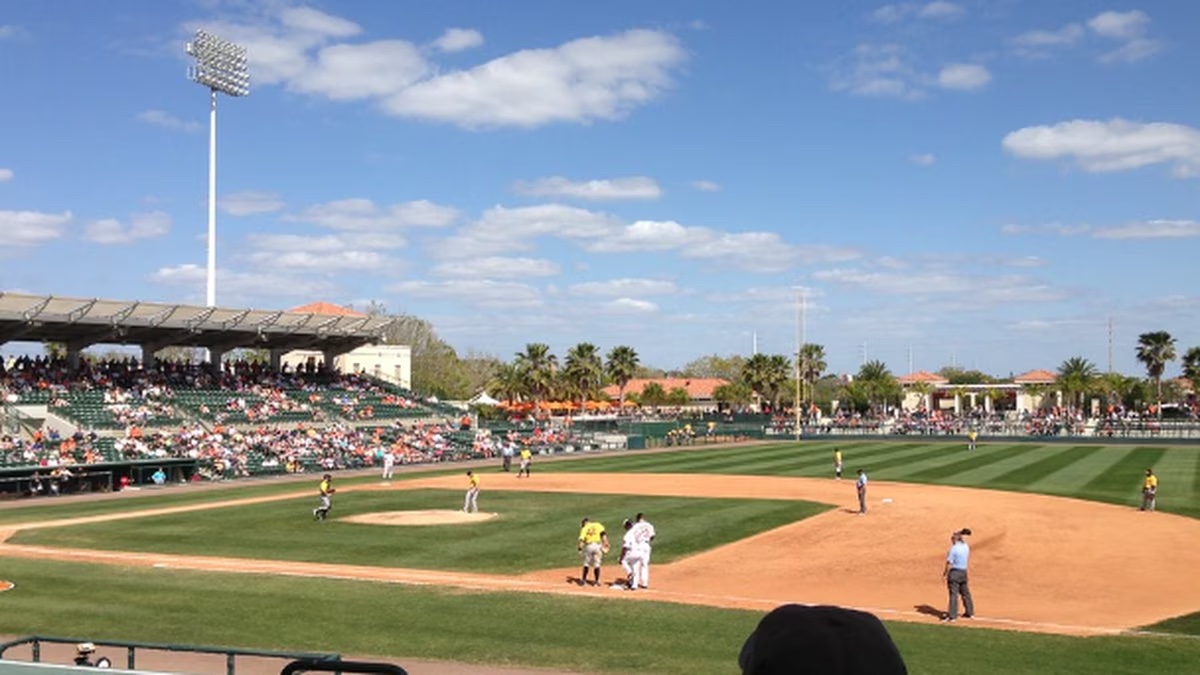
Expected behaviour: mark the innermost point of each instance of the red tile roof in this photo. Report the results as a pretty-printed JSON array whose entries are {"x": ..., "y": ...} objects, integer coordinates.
[
  {"x": 325, "y": 308},
  {"x": 700, "y": 388},
  {"x": 1036, "y": 377},
  {"x": 922, "y": 376}
]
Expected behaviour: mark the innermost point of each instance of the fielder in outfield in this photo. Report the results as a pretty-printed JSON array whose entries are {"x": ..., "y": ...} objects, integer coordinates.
[{"x": 326, "y": 490}]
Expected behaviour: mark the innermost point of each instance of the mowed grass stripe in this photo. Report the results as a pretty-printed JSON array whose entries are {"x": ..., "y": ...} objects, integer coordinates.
[
  {"x": 1174, "y": 489},
  {"x": 982, "y": 456},
  {"x": 905, "y": 461},
  {"x": 1072, "y": 477},
  {"x": 1122, "y": 482},
  {"x": 1027, "y": 475},
  {"x": 634, "y": 461},
  {"x": 789, "y": 452}
]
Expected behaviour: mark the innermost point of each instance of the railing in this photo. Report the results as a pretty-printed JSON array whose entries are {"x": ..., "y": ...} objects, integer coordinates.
[{"x": 317, "y": 661}]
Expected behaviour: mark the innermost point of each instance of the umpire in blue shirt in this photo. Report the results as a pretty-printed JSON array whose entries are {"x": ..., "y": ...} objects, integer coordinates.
[{"x": 955, "y": 574}]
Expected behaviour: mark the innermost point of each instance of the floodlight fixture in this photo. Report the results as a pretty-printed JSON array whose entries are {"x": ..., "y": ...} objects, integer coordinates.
[{"x": 221, "y": 66}]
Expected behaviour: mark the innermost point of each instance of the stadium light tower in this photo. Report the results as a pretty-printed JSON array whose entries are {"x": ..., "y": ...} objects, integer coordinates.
[{"x": 220, "y": 66}]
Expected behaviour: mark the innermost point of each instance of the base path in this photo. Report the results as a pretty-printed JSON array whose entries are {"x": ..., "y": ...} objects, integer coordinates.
[{"x": 1038, "y": 563}]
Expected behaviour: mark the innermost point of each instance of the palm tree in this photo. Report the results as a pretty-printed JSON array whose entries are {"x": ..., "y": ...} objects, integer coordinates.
[
  {"x": 878, "y": 382},
  {"x": 584, "y": 370},
  {"x": 653, "y": 395},
  {"x": 508, "y": 382},
  {"x": 1155, "y": 350},
  {"x": 537, "y": 366},
  {"x": 960, "y": 397},
  {"x": 734, "y": 393},
  {"x": 993, "y": 394},
  {"x": 1191, "y": 366},
  {"x": 923, "y": 389},
  {"x": 765, "y": 375},
  {"x": 621, "y": 366},
  {"x": 812, "y": 364},
  {"x": 1076, "y": 376}
]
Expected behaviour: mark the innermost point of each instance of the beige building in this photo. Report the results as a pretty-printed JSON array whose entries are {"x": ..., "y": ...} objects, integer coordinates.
[{"x": 392, "y": 363}]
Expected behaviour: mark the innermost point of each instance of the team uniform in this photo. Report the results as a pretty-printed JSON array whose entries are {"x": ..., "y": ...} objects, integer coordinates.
[
  {"x": 592, "y": 537},
  {"x": 837, "y": 464},
  {"x": 1149, "y": 491},
  {"x": 326, "y": 495},
  {"x": 389, "y": 461},
  {"x": 526, "y": 460},
  {"x": 471, "y": 501},
  {"x": 971, "y": 437},
  {"x": 636, "y": 554}
]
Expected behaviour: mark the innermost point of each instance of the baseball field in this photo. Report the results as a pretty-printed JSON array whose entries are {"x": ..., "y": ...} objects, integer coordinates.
[{"x": 1068, "y": 575}]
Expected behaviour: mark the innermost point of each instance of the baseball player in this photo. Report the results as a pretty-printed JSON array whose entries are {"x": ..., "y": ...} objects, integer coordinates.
[
  {"x": 326, "y": 490},
  {"x": 837, "y": 463},
  {"x": 526, "y": 460},
  {"x": 644, "y": 537},
  {"x": 471, "y": 501},
  {"x": 1149, "y": 490},
  {"x": 860, "y": 485},
  {"x": 971, "y": 438},
  {"x": 593, "y": 544},
  {"x": 389, "y": 462}
]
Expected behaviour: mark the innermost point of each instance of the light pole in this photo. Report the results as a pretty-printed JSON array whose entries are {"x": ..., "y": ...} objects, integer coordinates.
[
  {"x": 801, "y": 329},
  {"x": 220, "y": 66}
]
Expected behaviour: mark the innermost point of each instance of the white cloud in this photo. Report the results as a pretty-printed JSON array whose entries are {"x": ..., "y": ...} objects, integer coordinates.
[
  {"x": 343, "y": 252},
  {"x": 1128, "y": 27},
  {"x": 596, "y": 78},
  {"x": 502, "y": 229},
  {"x": 1133, "y": 51},
  {"x": 1066, "y": 36},
  {"x": 1119, "y": 25},
  {"x": 880, "y": 71},
  {"x": 497, "y": 267},
  {"x": 8, "y": 31},
  {"x": 29, "y": 228},
  {"x": 1115, "y": 145},
  {"x": 6, "y": 175},
  {"x": 923, "y": 159},
  {"x": 351, "y": 72},
  {"x": 1151, "y": 229},
  {"x": 624, "y": 287},
  {"x": 239, "y": 288},
  {"x": 629, "y": 306},
  {"x": 939, "y": 9},
  {"x": 941, "y": 283},
  {"x": 706, "y": 186},
  {"x": 476, "y": 292},
  {"x": 250, "y": 202},
  {"x": 364, "y": 214},
  {"x": 964, "y": 76},
  {"x": 141, "y": 226},
  {"x": 633, "y": 187},
  {"x": 458, "y": 39},
  {"x": 166, "y": 120},
  {"x": 1048, "y": 228},
  {"x": 593, "y": 78}
]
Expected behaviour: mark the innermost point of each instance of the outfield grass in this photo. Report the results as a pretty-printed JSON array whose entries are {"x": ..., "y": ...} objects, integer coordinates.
[
  {"x": 1104, "y": 473},
  {"x": 580, "y": 634},
  {"x": 534, "y": 531}
]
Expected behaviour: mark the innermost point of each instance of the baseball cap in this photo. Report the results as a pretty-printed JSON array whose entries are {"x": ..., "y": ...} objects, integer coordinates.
[
  {"x": 964, "y": 531},
  {"x": 85, "y": 647},
  {"x": 798, "y": 639}
]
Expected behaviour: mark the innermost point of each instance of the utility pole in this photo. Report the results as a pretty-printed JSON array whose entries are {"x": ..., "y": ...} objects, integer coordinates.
[{"x": 1110, "y": 344}]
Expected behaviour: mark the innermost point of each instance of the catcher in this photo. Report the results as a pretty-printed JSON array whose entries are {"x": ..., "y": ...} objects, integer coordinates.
[
  {"x": 326, "y": 489},
  {"x": 1149, "y": 490},
  {"x": 593, "y": 544}
]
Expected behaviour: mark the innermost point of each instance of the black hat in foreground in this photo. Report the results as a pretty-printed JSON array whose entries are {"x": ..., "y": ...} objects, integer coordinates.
[{"x": 797, "y": 639}]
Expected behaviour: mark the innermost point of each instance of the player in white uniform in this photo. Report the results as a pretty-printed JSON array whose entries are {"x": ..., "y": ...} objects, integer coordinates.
[
  {"x": 644, "y": 534},
  {"x": 389, "y": 461},
  {"x": 632, "y": 560}
]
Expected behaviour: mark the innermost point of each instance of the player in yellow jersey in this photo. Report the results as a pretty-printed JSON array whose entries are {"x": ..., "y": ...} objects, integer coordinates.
[
  {"x": 593, "y": 544},
  {"x": 837, "y": 463},
  {"x": 326, "y": 491},
  {"x": 1149, "y": 490},
  {"x": 526, "y": 460},
  {"x": 471, "y": 501}
]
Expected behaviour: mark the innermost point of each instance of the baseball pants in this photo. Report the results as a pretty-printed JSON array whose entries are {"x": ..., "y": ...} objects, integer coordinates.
[
  {"x": 956, "y": 581},
  {"x": 471, "y": 501}
]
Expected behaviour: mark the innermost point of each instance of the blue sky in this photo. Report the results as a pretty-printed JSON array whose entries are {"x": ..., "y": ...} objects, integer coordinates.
[{"x": 977, "y": 182}]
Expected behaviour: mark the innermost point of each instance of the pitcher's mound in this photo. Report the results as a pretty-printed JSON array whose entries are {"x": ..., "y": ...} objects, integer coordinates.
[{"x": 419, "y": 518}]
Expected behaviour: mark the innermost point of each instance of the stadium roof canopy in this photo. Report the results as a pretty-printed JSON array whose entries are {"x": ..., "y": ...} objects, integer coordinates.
[{"x": 81, "y": 322}]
